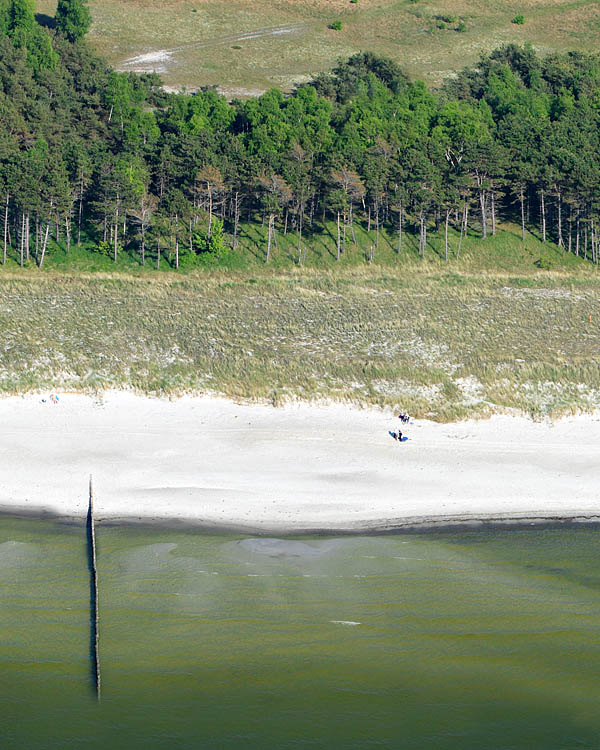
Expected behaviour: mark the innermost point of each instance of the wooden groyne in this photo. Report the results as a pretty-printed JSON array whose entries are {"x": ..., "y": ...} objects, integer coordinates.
[{"x": 94, "y": 604}]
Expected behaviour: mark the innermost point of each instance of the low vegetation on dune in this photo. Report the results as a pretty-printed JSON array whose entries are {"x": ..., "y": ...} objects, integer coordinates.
[
  {"x": 247, "y": 47},
  {"x": 442, "y": 344}
]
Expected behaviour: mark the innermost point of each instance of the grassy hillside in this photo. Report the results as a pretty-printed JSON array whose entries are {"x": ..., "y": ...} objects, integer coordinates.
[
  {"x": 248, "y": 46},
  {"x": 503, "y": 253}
]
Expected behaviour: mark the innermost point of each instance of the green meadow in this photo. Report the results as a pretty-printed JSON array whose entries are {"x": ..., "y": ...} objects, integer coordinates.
[{"x": 248, "y": 47}]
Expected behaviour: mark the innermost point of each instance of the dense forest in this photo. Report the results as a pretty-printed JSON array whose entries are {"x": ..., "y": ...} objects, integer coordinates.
[{"x": 112, "y": 160}]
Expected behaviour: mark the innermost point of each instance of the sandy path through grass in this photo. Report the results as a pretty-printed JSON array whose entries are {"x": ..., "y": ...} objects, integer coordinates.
[{"x": 147, "y": 61}]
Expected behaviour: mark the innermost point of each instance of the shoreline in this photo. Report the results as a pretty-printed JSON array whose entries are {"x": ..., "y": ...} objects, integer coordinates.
[
  {"x": 216, "y": 465},
  {"x": 416, "y": 525}
]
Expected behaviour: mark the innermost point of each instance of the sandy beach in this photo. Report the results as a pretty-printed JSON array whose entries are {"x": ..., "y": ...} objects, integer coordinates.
[{"x": 298, "y": 468}]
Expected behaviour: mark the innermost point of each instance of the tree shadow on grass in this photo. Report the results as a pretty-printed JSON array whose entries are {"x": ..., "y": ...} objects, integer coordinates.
[
  {"x": 253, "y": 244},
  {"x": 48, "y": 22}
]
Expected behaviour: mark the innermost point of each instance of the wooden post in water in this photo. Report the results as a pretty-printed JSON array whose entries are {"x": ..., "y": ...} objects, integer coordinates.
[{"x": 94, "y": 608}]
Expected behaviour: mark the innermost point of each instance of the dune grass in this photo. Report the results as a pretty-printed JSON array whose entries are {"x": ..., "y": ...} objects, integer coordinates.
[
  {"x": 488, "y": 331},
  {"x": 444, "y": 342},
  {"x": 247, "y": 47}
]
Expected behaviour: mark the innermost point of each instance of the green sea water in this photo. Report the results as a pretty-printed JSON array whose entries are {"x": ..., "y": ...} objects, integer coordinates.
[{"x": 447, "y": 641}]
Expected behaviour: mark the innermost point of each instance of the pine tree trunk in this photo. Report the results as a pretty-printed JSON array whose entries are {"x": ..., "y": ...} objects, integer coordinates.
[
  {"x": 400, "y": 230},
  {"x": 236, "y": 219},
  {"x": 560, "y": 237},
  {"x": 44, "y": 244},
  {"x": 300, "y": 222},
  {"x": 22, "y": 238},
  {"x": 338, "y": 237},
  {"x": 158, "y": 253},
  {"x": 116, "y": 234},
  {"x": 493, "y": 205},
  {"x": 269, "y": 233},
  {"x": 483, "y": 215},
  {"x": 80, "y": 209},
  {"x": 463, "y": 225},
  {"x": 68, "y": 232},
  {"x": 4, "y": 252},
  {"x": 446, "y": 234},
  {"x": 570, "y": 227},
  {"x": 522, "y": 199},
  {"x": 176, "y": 241},
  {"x": 543, "y": 210},
  {"x": 27, "y": 237},
  {"x": 352, "y": 223}
]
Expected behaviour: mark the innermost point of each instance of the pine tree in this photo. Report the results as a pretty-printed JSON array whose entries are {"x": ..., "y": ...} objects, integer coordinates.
[
  {"x": 21, "y": 15},
  {"x": 73, "y": 18}
]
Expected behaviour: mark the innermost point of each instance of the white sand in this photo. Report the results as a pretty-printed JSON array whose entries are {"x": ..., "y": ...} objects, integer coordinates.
[{"x": 301, "y": 467}]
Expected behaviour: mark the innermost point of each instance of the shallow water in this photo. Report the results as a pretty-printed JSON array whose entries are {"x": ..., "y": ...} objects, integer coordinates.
[{"x": 454, "y": 640}]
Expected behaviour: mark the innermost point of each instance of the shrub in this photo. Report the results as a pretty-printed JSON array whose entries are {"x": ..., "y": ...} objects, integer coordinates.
[
  {"x": 209, "y": 252},
  {"x": 106, "y": 248},
  {"x": 545, "y": 264},
  {"x": 519, "y": 19},
  {"x": 336, "y": 26},
  {"x": 462, "y": 26},
  {"x": 353, "y": 1}
]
